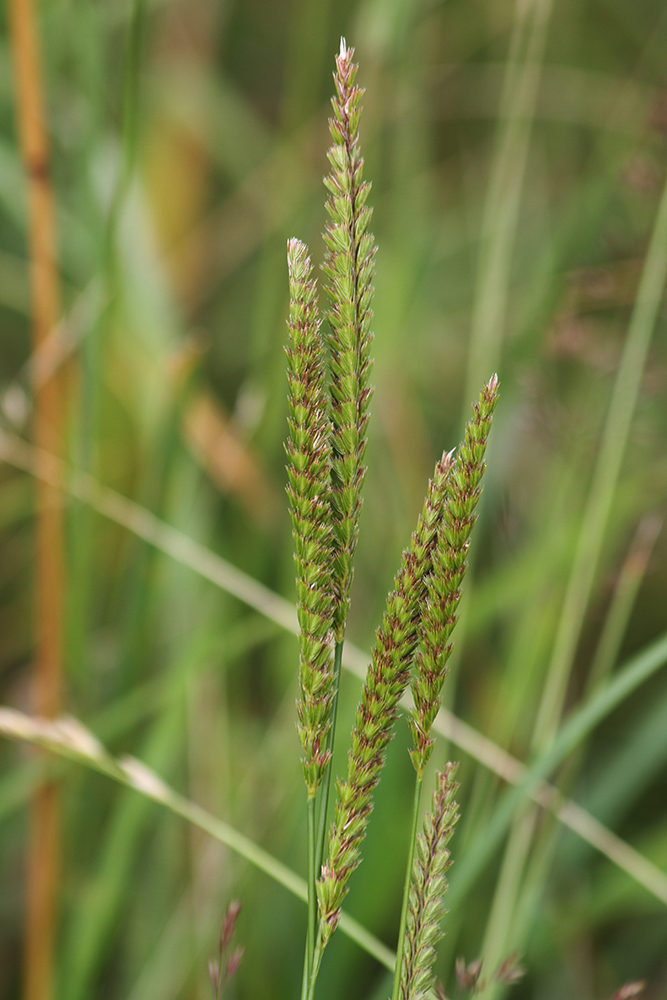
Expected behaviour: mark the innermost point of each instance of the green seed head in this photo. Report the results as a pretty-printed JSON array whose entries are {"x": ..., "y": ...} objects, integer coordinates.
[
  {"x": 309, "y": 491},
  {"x": 349, "y": 268},
  {"x": 428, "y": 886},
  {"x": 443, "y": 585},
  {"x": 386, "y": 680}
]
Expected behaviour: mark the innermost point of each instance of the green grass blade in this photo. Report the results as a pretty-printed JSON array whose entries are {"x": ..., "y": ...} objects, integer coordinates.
[
  {"x": 605, "y": 477},
  {"x": 503, "y": 198},
  {"x": 573, "y": 732},
  {"x": 72, "y": 740},
  {"x": 91, "y": 932}
]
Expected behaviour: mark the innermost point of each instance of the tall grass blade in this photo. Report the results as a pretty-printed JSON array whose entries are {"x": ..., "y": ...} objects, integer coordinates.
[
  {"x": 576, "y": 729},
  {"x": 589, "y": 546},
  {"x": 503, "y": 197},
  {"x": 70, "y": 739},
  {"x": 605, "y": 477}
]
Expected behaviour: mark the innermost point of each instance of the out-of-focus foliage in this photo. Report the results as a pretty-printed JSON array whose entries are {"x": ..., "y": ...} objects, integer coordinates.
[{"x": 518, "y": 155}]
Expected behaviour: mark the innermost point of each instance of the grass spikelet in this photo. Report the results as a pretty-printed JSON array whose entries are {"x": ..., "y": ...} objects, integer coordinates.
[
  {"x": 449, "y": 567},
  {"x": 223, "y": 968},
  {"x": 308, "y": 488},
  {"x": 349, "y": 267},
  {"x": 427, "y": 889},
  {"x": 386, "y": 680}
]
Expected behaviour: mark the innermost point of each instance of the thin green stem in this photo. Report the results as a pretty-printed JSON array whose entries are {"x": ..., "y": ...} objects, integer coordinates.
[
  {"x": 305, "y": 979},
  {"x": 326, "y": 782},
  {"x": 317, "y": 961},
  {"x": 406, "y": 889},
  {"x": 312, "y": 898},
  {"x": 316, "y": 834}
]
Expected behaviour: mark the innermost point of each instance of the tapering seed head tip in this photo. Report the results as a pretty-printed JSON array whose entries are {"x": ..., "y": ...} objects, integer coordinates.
[
  {"x": 298, "y": 260},
  {"x": 461, "y": 477},
  {"x": 348, "y": 266}
]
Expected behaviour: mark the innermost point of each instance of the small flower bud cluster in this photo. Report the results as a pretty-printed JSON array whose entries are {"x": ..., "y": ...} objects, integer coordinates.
[
  {"x": 308, "y": 470},
  {"x": 427, "y": 889},
  {"x": 449, "y": 567},
  {"x": 222, "y": 969},
  {"x": 386, "y": 680},
  {"x": 468, "y": 974},
  {"x": 509, "y": 972},
  {"x": 349, "y": 267}
]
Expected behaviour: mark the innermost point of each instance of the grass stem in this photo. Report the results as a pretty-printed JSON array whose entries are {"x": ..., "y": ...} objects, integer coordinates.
[
  {"x": 315, "y": 969},
  {"x": 419, "y": 778},
  {"x": 312, "y": 896},
  {"x": 317, "y": 834}
]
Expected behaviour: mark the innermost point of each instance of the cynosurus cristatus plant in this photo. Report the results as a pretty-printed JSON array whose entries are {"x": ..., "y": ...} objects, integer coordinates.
[{"x": 329, "y": 394}]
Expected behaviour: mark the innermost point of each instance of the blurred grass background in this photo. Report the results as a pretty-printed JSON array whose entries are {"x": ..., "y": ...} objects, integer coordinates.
[{"x": 518, "y": 156}]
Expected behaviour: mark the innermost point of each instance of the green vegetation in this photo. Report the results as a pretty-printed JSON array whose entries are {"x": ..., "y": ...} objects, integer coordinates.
[{"x": 518, "y": 155}]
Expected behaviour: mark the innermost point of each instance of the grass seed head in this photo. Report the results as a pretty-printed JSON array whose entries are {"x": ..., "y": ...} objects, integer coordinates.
[
  {"x": 427, "y": 889},
  {"x": 386, "y": 680},
  {"x": 308, "y": 470},
  {"x": 449, "y": 564},
  {"x": 349, "y": 268}
]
